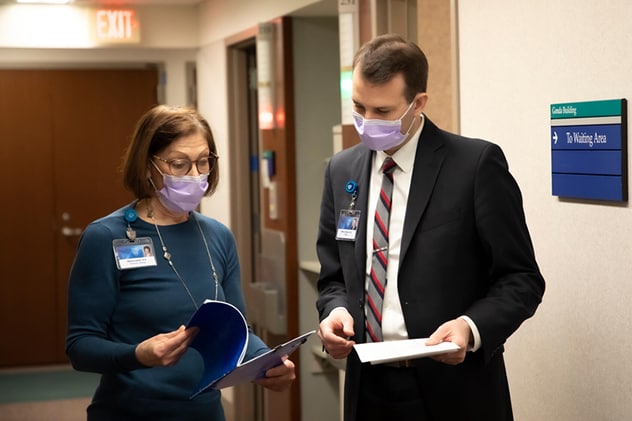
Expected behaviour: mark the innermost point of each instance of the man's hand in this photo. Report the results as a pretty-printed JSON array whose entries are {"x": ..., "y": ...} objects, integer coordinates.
[
  {"x": 456, "y": 331},
  {"x": 335, "y": 331},
  {"x": 165, "y": 349}
]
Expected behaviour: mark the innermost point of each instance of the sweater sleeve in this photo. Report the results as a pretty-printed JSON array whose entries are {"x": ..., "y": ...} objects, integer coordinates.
[{"x": 92, "y": 296}]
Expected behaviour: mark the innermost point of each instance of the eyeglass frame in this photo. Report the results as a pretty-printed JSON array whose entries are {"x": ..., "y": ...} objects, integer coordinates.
[{"x": 212, "y": 156}]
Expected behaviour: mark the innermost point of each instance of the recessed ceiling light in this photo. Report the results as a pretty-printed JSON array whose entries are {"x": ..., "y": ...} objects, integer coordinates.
[{"x": 45, "y": 1}]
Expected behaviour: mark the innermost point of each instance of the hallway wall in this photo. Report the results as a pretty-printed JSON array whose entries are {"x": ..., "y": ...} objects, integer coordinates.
[
  {"x": 219, "y": 20},
  {"x": 571, "y": 361}
]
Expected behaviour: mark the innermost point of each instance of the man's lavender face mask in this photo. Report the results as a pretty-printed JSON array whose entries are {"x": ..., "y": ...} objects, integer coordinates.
[{"x": 381, "y": 135}]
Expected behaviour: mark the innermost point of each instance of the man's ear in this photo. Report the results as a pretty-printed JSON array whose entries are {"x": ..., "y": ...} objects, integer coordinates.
[{"x": 421, "y": 99}]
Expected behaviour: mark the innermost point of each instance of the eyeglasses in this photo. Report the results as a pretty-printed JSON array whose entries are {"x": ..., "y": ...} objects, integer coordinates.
[{"x": 182, "y": 166}]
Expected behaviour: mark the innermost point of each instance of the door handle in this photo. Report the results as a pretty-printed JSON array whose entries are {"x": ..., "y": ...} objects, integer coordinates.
[{"x": 71, "y": 232}]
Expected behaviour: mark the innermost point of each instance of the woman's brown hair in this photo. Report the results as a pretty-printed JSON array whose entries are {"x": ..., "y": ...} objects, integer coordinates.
[{"x": 157, "y": 129}]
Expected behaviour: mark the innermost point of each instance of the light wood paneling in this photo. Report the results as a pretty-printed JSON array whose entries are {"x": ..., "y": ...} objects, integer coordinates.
[{"x": 437, "y": 38}]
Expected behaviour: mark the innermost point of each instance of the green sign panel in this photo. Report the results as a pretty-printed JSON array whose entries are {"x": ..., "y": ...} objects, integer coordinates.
[{"x": 606, "y": 108}]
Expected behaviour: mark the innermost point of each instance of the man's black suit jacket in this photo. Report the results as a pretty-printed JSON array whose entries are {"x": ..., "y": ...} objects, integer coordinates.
[{"x": 465, "y": 250}]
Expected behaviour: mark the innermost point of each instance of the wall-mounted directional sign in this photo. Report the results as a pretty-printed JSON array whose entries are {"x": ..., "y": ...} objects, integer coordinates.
[{"x": 589, "y": 150}]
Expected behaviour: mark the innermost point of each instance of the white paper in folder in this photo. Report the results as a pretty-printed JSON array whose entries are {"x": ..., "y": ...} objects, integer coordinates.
[{"x": 405, "y": 349}]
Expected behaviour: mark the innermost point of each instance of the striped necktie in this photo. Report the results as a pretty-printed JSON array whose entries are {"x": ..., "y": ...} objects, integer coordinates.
[{"x": 379, "y": 260}]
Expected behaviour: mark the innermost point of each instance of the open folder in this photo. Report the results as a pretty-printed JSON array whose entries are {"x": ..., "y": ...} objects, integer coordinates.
[
  {"x": 222, "y": 342},
  {"x": 405, "y": 349}
]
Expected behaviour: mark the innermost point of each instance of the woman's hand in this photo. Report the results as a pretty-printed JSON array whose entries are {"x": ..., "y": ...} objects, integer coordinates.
[
  {"x": 165, "y": 349},
  {"x": 280, "y": 377}
]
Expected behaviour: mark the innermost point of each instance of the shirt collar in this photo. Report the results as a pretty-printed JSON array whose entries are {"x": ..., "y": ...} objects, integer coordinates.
[{"x": 405, "y": 156}]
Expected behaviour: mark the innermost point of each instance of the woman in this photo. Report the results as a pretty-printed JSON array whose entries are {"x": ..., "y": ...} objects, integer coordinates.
[{"x": 127, "y": 315}]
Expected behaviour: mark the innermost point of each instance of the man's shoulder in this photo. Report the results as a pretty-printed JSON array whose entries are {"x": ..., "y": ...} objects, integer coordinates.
[
  {"x": 349, "y": 157},
  {"x": 458, "y": 140},
  {"x": 351, "y": 152}
]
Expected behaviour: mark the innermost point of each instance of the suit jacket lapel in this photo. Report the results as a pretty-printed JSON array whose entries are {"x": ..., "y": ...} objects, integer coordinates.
[
  {"x": 428, "y": 160},
  {"x": 362, "y": 169}
]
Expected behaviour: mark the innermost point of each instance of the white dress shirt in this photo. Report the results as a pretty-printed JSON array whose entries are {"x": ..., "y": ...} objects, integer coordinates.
[{"x": 393, "y": 324}]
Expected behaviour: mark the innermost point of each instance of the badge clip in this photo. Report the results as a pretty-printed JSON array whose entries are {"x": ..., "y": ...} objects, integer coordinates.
[{"x": 130, "y": 216}]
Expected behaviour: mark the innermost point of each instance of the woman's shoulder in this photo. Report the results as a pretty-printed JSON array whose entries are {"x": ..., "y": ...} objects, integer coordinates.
[
  {"x": 209, "y": 223},
  {"x": 110, "y": 222}
]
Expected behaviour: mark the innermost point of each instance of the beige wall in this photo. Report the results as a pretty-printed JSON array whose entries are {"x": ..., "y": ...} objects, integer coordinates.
[
  {"x": 220, "y": 19},
  {"x": 571, "y": 361}
]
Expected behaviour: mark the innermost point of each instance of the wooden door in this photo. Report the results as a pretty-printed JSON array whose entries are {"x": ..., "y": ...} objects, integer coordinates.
[
  {"x": 73, "y": 126},
  {"x": 28, "y": 289}
]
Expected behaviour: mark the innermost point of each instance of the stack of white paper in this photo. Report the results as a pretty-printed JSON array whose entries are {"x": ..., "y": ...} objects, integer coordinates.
[{"x": 389, "y": 351}]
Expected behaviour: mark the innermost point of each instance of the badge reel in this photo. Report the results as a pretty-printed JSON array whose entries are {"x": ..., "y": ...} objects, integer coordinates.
[
  {"x": 132, "y": 252},
  {"x": 349, "y": 219}
]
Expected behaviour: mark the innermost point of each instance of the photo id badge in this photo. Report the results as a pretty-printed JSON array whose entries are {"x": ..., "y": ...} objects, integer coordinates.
[
  {"x": 134, "y": 254},
  {"x": 348, "y": 223}
]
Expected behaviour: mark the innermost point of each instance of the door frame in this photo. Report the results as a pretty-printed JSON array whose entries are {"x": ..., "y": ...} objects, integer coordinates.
[
  {"x": 243, "y": 399},
  {"x": 281, "y": 139}
]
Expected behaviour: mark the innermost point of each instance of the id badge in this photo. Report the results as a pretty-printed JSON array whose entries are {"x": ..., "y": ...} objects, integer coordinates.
[
  {"x": 134, "y": 254},
  {"x": 348, "y": 223}
]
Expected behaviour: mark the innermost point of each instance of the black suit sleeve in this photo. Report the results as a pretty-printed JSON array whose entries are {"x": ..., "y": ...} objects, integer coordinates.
[
  {"x": 515, "y": 283},
  {"x": 332, "y": 292}
]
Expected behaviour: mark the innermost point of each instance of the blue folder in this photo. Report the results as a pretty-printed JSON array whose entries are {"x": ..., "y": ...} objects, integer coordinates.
[{"x": 222, "y": 341}]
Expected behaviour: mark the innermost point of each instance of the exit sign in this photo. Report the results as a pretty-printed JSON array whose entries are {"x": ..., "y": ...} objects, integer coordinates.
[{"x": 115, "y": 26}]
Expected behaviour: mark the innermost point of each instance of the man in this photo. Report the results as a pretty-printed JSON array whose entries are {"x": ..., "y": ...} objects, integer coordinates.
[{"x": 442, "y": 251}]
